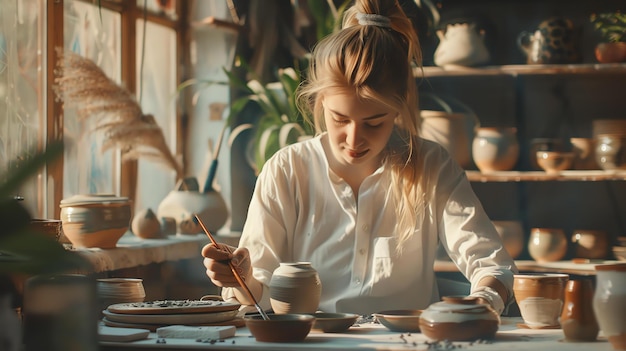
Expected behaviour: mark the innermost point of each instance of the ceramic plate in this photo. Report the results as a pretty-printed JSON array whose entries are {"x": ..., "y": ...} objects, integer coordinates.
[
  {"x": 173, "y": 307},
  {"x": 188, "y": 318}
]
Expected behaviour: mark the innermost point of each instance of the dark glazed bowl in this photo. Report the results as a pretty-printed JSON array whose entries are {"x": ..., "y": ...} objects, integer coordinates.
[
  {"x": 400, "y": 320},
  {"x": 280, "y": 327},
  {"x": 334, "y": 322}
]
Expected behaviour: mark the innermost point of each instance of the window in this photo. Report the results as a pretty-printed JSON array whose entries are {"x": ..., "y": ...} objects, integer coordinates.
[{"x": 138, "y": 44}]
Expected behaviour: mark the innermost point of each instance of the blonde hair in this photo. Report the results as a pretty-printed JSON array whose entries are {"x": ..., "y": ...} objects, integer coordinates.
[{"x": 376, "y": 63}]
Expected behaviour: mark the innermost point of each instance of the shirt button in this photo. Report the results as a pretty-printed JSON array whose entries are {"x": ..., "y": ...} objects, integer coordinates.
[
  {"x": 357, "y": 281},
  {"x": 362, "y": 251},
  {"x": 365, "y": 227}
]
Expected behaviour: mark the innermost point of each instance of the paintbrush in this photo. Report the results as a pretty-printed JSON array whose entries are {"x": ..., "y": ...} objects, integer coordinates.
[{"x": 233, "y": 269}]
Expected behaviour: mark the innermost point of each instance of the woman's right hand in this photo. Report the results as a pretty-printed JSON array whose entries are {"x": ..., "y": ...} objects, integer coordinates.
[{"x": 217, "y": 268}]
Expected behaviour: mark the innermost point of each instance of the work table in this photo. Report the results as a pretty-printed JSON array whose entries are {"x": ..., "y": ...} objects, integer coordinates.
[{"x": 374, "y": 337}]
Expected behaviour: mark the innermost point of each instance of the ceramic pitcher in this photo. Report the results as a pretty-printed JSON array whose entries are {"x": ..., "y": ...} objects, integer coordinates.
[
  {"x": 553, "y": 42},
  {"x": 295, "y": 287},
  {"x": 461, "y": 44}
]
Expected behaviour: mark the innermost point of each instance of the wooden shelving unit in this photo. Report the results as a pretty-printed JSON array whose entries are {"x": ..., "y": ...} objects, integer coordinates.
[
  {"x": 516, "y": 70},
  {"x": 540, "y": 176}
]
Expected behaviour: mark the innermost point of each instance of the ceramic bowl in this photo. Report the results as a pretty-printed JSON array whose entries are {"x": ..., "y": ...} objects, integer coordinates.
[
  {"x": 334, "y": 322},
  {"x": 459, "y": 319},
  {"x": 95, "y": 220},
  {"x": 52, "y": 228},
  {"x": 280, "y": 327},
  {"x": 400, "y": 320},
  {"x": 553, "y": 162}
]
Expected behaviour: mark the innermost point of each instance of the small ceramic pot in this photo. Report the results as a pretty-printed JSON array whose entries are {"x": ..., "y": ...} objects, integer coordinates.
[
  {"x": 540, "y": 298},
  {"x": 52, "y": 228},
  {"x": 512, "y": 234},
  {"x": 543, "y": 144},
  {"x": 146, "y": 225},
  {"x": 547, "y": 244},
  {"x": 577, "y": 319},
  {"x": 611, "y": 151},
  {"x": 495, "y": 149},
  {"x": 609, "y": 302},
  {"x": 553, "y": 162},
  {"x": 459, "y": 319},
  {"x": 95, "y": 220},
  {"x": 593, "y": 244},
  {"x": 295, "y": 287}
]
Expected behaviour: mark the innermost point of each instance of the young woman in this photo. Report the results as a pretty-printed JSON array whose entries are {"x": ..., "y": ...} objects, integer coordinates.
[{"x": 366, "y": 200}]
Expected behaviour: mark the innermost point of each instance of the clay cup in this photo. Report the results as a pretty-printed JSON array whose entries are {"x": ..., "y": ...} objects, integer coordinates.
[{"x": 540, "y": 298}]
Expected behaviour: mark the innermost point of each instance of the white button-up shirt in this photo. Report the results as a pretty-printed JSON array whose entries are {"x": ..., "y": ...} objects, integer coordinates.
[{"x": 302, "y": 211}]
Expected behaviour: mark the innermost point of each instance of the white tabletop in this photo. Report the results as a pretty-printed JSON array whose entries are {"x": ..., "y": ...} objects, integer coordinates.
[{"x": 375, "y": 337}]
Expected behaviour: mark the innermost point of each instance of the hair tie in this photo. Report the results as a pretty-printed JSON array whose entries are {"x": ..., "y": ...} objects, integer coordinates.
[{"x": 371, "y": 19}]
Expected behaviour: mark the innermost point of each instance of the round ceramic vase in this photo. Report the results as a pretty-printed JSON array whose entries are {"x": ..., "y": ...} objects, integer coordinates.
[
  {"x": 547, "y": 244},
  {"x": 295, "y": 287},
  {"x": 495, "y": 149},
  {"x": 577, "y": 319},
  {"x": 609, "y": 302},
  {"x": 459, "y": 319},
  {"x": 182, "y": 205},
  {"x": 540, "y": 298}
]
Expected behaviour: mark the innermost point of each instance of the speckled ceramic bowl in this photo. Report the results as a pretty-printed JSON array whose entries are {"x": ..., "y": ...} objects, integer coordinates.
[{"x": 95, "y": 220}]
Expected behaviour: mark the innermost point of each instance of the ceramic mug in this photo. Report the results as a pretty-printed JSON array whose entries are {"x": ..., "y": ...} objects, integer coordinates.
[{"x": 553, "y": 42}]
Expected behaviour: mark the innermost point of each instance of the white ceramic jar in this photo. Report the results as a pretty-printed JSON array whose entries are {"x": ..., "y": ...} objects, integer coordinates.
[
  {"x": 295, "y": 287},
  {"x": 609, "y": 302}
]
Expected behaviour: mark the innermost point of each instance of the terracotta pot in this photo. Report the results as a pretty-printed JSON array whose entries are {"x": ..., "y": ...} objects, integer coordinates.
[
  {"x": 459, "y": 319},
  {"x": 547, "y": 244},
  {"x": 609, "y": 302},
  {"x": 577, "y": 319},
  {"x": 495, "y": 149},
  {"x": 611, "y": 52},
  {"x": 295, "y": 288},
  {"x": 540, "y": 298}
]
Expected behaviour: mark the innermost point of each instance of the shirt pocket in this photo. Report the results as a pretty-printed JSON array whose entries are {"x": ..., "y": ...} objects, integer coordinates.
[{"x": 392, "y": 273}]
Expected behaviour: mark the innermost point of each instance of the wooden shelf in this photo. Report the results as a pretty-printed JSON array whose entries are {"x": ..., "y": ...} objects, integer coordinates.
[
  {"x": 567, "y": 267},
  {"x": 515, "y": 70},
  {"x": 540, "y": 176}
]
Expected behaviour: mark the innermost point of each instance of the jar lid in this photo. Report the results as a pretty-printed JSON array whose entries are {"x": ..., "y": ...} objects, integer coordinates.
[{"x": 86, "y": 199}]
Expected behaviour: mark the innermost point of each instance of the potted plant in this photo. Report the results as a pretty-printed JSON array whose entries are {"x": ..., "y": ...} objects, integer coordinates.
[
  {"x": 612, "y": 28},
  {"x": 25, "y": 252}
]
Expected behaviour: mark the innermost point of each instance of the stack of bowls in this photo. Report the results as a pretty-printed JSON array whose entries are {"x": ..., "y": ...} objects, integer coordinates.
[
  {"x": 95, "y": 220},
  {"x": 610, "y": 138},
  {"x": 120, "y": 290}
]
